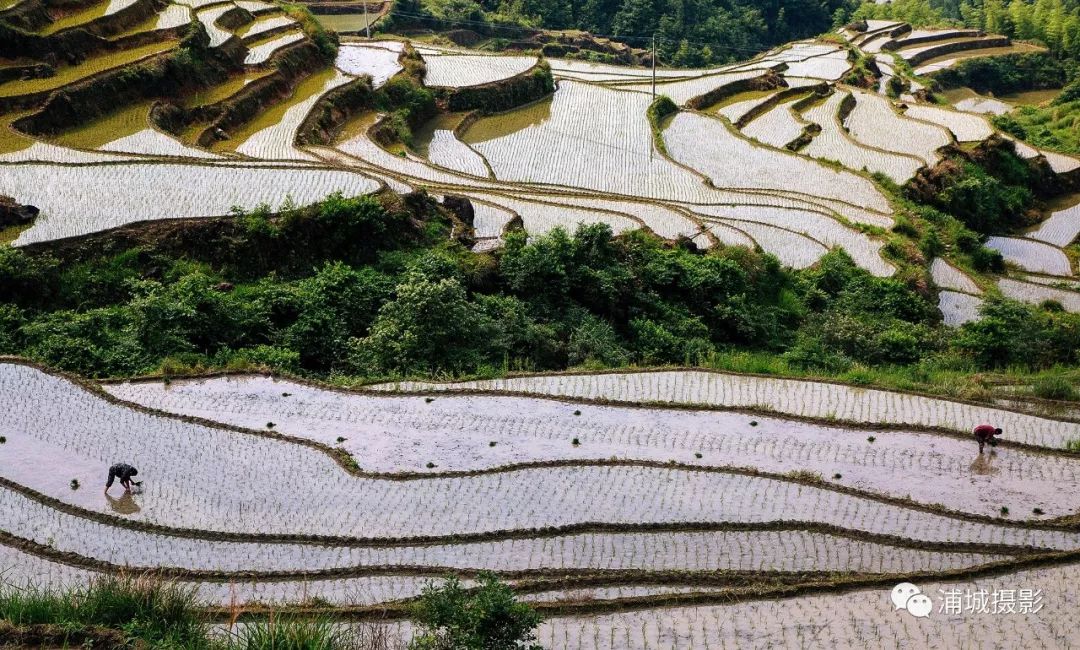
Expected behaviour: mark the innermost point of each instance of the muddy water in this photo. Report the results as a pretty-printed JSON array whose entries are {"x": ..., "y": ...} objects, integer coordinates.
[
  {"x": 315, "y": 84},
  {"x": 357, "y": 126},
  {"x": 1027, "y": 98},
  {"x": 347, "y": 22},
  {"x": 1016, "y": 48},
  {"x": 443, "y": 122},
  {"x": 735, "y": 99},
  {"x": 127, "y": 121},
  {"x": 503, "y": 124},
  {"x": 224, "y": 90},
  {"x": 10, "y": 139},
  {"x": 69, "y": 74},
  {"x": 76, "y": 18},
  {"x": 1031, "y": 97}
]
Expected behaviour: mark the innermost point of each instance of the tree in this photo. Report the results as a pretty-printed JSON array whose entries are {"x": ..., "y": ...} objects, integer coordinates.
[
  {"x": 430, "y": 326},
  {"x": 452, "y": 617}
]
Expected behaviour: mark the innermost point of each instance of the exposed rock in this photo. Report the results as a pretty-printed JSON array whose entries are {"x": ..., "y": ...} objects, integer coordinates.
[
  {"x": 464, "y": 37},
  {"x": 14, "y": 214},
  {"x": 460, "y": 206}
]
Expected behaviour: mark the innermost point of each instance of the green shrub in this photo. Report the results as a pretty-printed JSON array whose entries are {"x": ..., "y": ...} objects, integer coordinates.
[{"x": 488, "y": 617}]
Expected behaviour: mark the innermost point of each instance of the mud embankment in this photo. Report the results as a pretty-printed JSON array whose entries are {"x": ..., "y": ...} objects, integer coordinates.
[
  {"x": 291, "y": 64},
  {"x": 503, "y": 95},
  {"x": 959, "y": 46},
  {"x": 76, "y": 43},
  {"x": 171, "y": 74},
  {"x": 768, "y": 81}
]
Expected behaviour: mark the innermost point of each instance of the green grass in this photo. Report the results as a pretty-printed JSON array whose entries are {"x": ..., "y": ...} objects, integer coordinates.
[
  {"x": 162, "y": 615},
  {"x": 159, "y": 613},
  {"x": 1054, "y": 387}
]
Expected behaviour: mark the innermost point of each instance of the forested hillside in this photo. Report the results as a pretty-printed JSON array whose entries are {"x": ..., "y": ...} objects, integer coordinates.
[{"x": 689, "y": 32}]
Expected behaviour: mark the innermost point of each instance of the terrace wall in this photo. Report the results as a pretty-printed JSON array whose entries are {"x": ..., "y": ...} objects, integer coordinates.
[
  {"x": 503, "y": 95},
  {"x": 950, "y": 48}
]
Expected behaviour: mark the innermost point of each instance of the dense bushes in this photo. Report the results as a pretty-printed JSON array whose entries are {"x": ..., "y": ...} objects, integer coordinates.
[
  {"x": 1012, "y": 334},
  {"x": 451, "y": 617},
  {"x": 689, "y": 33},
  {"x": 991, "y": 190},
  {"x": 375, "y": 288},
  {"x": 1002, "y": 75}
]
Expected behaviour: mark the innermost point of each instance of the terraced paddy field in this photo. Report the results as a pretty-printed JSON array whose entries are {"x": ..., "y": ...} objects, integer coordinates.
[
  {"x": 640, "y": 509},
  {"x": 585, "y": 154},
  {"x": 653, "y": 509}
]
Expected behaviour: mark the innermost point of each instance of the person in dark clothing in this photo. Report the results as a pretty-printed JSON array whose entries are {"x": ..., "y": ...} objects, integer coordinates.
[
  {"x": 985, "y": 433},
  {"x": 121, "y": 471}
]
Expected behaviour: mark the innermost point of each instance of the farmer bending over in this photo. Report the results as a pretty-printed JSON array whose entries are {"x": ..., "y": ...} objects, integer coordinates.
[
  {"x": 121, "y": 471},
  {"x": 985, "y": 433}
]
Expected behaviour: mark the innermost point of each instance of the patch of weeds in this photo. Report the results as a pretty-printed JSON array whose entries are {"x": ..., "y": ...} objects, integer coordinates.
[
  {"x": 1004, "y": 511},
  {"x": 1073, "y": 445},
  {"x": 805, "y": 475},
  {"x": 1056, "y": 388},
  {"x": 74, "y": 484},
  {"x": 575, "y": 442}
]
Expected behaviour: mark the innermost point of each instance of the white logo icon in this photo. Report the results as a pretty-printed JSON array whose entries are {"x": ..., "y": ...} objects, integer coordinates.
[{"x": 907, "y": 596}]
